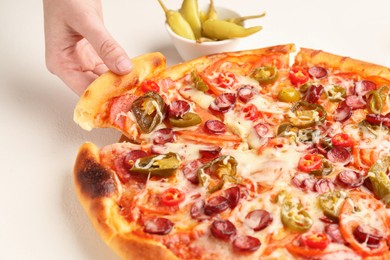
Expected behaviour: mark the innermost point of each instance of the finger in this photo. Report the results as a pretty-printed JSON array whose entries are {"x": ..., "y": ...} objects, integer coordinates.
[
  {"x": 112, "y": 54},
  {"x": 100, "y": 69}
]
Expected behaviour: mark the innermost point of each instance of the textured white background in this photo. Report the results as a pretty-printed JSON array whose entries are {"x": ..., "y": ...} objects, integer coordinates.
[{"x": 40, "y": 217}]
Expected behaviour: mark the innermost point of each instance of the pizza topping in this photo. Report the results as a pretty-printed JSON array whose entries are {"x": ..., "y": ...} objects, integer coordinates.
[
  {"x": 226, "y": 79},
  {"x": 377, "y": 98},
  {"x": 331, "y": 202},
  {"x": 246, "y": 244},
  {"x": 368, "y": 235},
  {"x": 251, "y": 113},
  {"x": 339, "y": 154},
  {"x": 318, "y": 72},
  {"x": 349, "y": 178},
  {"x": 342, "y": 139},
  {"x": 258, "y": 219},
  {"x": 324, "y": 185},
  {"x": 197, "y": 210},
  {"x": 233, "y": 195},
  {"x": 334, "y": 233},
  {"x": 313, "y": 93},
  {"x": 158, "y": 226},
  {"x": 178, "y": 108},
  {"x": 294, "y": 216},
  {"x": 163, "y": 165},
  {"x": 163, "y": 136},
  {"x": 223, "y": 229},
  {"x": 261, "y": 130},
  {"x": 149, "y": 111},
  {"x": 214, "y": 174},
  {"x": 317, "y": 240},
  {"x": 149, "y": 85},
  {"x": 216, "y": 205},
  {"x": 355, "y": 102},
  {"x": 375, "y": 119},
  {"x": 289, "y": 94},
  {"x": 380, "y": 181},
  {"x": 223, "y": 103},
  {"x": 132, "y": 156},
  {"x": 210, "y": 152},
  {"x": 265, "y": 75},
  {"x": 246, "y": 93},
  {"x": 335, "y": 93},
  {"x": 190, "y": 171},
  {"x": 215, "y": 126},
  {"x": 172, "y": 197},
  {"x": 342, "y": 113},
  {"x": 187, "y": 120},
  {"x": 304, "y": 181},
  {"x": 298, "y": 76},
  {"x": 310, "y": 163},
  {"x": 304, "y": 114},
  {"x": 198, "y": 82},
  {"x": 362, "y": 87}
]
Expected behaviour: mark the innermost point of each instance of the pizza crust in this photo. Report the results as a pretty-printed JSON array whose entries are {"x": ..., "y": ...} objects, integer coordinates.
[
  {"x": 317, "y": 57},
  {"x": 98, "y": 190},
  {"x": 110, "y": 85}
]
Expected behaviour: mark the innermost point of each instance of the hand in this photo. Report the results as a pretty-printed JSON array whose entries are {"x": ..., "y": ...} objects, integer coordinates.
[{"x": 78, "y": 46}]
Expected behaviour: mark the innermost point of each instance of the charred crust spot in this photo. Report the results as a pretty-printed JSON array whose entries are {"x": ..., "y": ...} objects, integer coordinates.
[
  {"x": 86, "y": 93},
  {"x": 157, "y": 62},
  {"x": 96, "y": 181}
]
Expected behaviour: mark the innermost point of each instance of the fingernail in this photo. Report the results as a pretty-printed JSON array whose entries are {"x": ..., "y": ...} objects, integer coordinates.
[{"x": 124, "y": 64}]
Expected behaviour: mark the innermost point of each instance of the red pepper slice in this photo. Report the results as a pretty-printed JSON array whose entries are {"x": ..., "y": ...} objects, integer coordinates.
[
  {"x": 298, "y": 76},
  {"x": 342, "y": 139},
  {"x": 310, "y": 162},
  {"x": 251, "y": 112},
  {"x": 315, "y": 240},
  {"x": 172, "y": 197},
  {"x": 149, "y": 85},
  {"x": 226, "y": 79}
]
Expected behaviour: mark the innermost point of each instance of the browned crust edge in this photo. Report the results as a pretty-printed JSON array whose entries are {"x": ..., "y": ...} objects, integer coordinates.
[
  {"x": 308, "y": 57},
  {"x": 109, "y": 85},
  {"x": 201, "y": 63},
  {"x": 98, "y": 189}
]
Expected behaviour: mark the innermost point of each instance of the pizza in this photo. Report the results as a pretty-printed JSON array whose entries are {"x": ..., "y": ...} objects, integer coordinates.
[{"x": 273, "y": 153}]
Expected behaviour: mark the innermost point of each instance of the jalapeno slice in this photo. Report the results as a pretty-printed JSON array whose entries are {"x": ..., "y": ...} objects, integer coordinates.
[
  {"x": 331, "y": 203},
  {"x": 294, "y": 216},
  {"x": 265, "y": 74},
  {"x": 187, "y": 120},
  {"x": 335, "y": 93},
  {"x": 305, "y": 114},
  {"x": 198, "y": 82},
  {"x": 149, "y": 111},
  {"x": 379, "y": 179},
  {"x": 214, "y": 174},
  {"x": 161, "y": 165}
]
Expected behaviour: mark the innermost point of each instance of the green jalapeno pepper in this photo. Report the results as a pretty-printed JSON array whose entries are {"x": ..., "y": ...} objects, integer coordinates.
[
  {"x": 240, "y": 20},
  {"x": 265, "y": 74},
  {"x": 149, "y": 111},
  {"x": 161, "y": 165},
  {"x": 222, "y": 30},
  {"x": 379, "y": 179},
  {"x": 286, "y": 129},
  {"x": 198, "y": 82},
  {"x": 308, "y": 135},
  {"x": 331, "y": 203},
  {"x": 187, "y": 120},
  {"x": 377, "y": 98},
  {"x": 305, "y": 114},
  {"x": 177, "y": 23},
  {"x": 190, "y": 11},
  {"x": 214, "y": 174},
  {"x": 294, "y": 216},
  {"x": 336, "y": 93}
]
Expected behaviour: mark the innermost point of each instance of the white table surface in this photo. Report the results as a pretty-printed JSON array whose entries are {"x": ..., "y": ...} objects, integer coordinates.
[{"x": 40, "y": 217}]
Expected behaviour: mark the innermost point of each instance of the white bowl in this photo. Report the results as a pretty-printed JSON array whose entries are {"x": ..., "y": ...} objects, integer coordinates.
[{"x": 189, "y": 49}]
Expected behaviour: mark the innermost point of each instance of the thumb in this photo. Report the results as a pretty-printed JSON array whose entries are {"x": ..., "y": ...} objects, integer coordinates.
[{"x": 112, "y": 54}]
